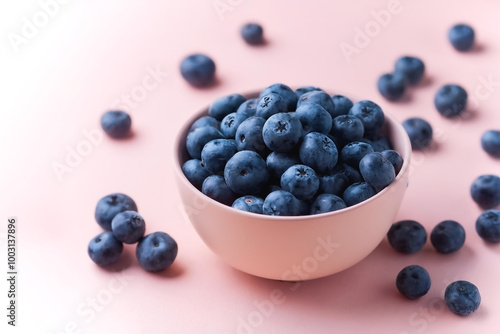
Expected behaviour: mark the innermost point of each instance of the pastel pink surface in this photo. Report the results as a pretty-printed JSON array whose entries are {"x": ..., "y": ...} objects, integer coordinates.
[{"x": 89, "y": 54}]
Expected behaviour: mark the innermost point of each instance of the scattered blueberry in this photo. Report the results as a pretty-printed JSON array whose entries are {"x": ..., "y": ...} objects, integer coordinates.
[
  {"x": 225, "y": 105},
  {"x": 450, "y": 100},
  {"x": 412, "y": 68},
  {"x": 195, "y": 172},
  {"x": 216, "y": 153},
  {"x": 282, "y": 132},
  {"x": 391, "y": 86},
  {"x": 116, "y": 123},
  {"x": 230, "y": 124},
  {"x": 198, "y": 70},
  {"x": 252, "y": 33},
  {"x": 249, "y": 135},
  {"x": 485, "y": 191},
  {"x": 407, "y": 236},
  {"x": 490, "y": 142},
  {"x": 394, "y": 158},
  {"x": 419, "y": 131},
  {"x": 488, "y": 226},
  {"x": 249, "y": 203},
  {"x": 156, "y": 251},
  {"x": 246, "y": 173},
  {"x": 319, "y": 152},
  {"x": 301, "y": 181},
  {"x": 353, "y": 152},
  {"x": 448, "y": 236},
  {"x": 461, "y": 37},
  {"x": 105, "y": 249},
  {"x": 215, "y": 187},
  {"x": 196, "y": 140},
  {"x": 370, "y": 114},
  {"x": 357, "y": 193},
  {"x": 341, "y": 105},
  {"x": 128, "y": 227},
  {"x": 285, "y": 92},
  {"x": 462, "y": 297},
  {"x": 326, "y": 203},
  {"x": 111, "y": 205},
  {"x": 376, "y": 170},
  {"x": 413, "y": 281}
]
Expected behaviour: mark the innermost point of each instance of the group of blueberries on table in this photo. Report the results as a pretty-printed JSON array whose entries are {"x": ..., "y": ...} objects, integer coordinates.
[{"x": 297, "y": 152}]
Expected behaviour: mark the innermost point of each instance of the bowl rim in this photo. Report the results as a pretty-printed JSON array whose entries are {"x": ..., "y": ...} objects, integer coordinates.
[{"x": 180, "y": 139}]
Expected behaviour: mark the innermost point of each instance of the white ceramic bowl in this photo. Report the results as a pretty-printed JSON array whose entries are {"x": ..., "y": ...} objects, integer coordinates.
[{"x": 294, "y": 248}]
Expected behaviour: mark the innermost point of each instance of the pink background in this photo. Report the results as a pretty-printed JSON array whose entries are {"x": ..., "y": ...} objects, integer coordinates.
[{"x": 88, "y": 54}]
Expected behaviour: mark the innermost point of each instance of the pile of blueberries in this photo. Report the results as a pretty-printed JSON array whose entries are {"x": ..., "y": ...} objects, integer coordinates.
[
  {"x": 117, "y": 214},
  {"x": 289, "y": 152}
]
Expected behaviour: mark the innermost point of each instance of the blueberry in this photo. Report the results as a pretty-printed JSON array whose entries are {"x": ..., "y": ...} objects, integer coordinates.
[
  {"x": 314, "y": 118},
  {"x": 249, "y": 135},
  {"x": 205, "y": 121},
  {"x": 488, "y": 226},
  {"x": 318, "y": 97},
  {"x": 246, "y": 173},
  {"x": 277, "y": 163},
  {"x": 377, "y": 140},
  {"x": 353, "y": 152},
  {"x": 462, "y": 297},
  {"x": 111, "y": 205},
  {"x": 282, "y": 132},
  {"x": 352, "y": 173},
  {"x": 216, "y": 153},
  {"x": 269, "y": 105},
  {"x": 280, "y": 203},
  {"x": 249, "y": 203},
  {"x": 413, "y": 281},
  {"x": 376, "y": 170},
  {"x": 450, "y": 100},
  {"x": 341, "y": 105},
  {"x": 391, "y": 86},
  {"x": 301, "y": 181},
  {"x": 357, "y": 193},
  {"x": 394, "y": 158},
  {"x": 448, "y": 236},
  {"x": 116, "y": 123},
  {"x": 105, "y": 249},
  {"x": 407, "y": 236},
  {"x": 196, "y": 140},
  {"x": 490, "y": 142},
  {"x": 319, "y": 152},
  {"x": 248, "y": 108},
  {"x": 128, "y": 227},
  {"x": 461, "y": 37},
  {"x": 156, "y": 251},
  {"x": 195, "y": 172},
  {"x": 230, "y": 124},
  {"x": 419, "y": 131},
  {"x": 334, "y": 184},
  {"x": 327, "y": 203},
  {"x": 225, "y": 105},
  {"x": 198, "y": 70},
  {"x": 285, "y": 92},
  {"x": 302, "y": 90},
  {"x": 412, "y": 68},
  {"x": 347, "y": 128},
  {"x": 252, "y": 33},
  {"x": 216, "y": 188},
  {"x": 370, "y": 114},
  {"x": 485, "y": 191}
]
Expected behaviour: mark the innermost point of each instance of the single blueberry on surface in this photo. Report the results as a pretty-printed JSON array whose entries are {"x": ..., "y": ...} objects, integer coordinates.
[
  {"x": 111, "y": 205},
  {"x": 249, "y": 135},
  {"x": 128, "y": 227},
  {"x": 448, "y": 236},
  {"x": 156, "y": 251},
  {"x": 252, "y": 33},
  {"x": 357, "y": 193},
  {"x": 407, "y": 236},
  {"x": 490, "y": 142},
  {"x": 269, "y": 105},
  {"x": 225, "y": 105},
  {"x": 246, "y": 173},
  {"x": 370, "y": 114},
  {"x": 485, "y": 191},
  {"x": 301, "y": 181},
  {"x": 195, "y": 172},
  {"x": 105, "y": 249},
  {"x": 347, "y": 128},
  {"x": 341, "y": 105},
  {"x": 488, "y": 226},
  {"x": 319, "y": 152},
  {"x": 412, "y": 68},
  {"x": 450, "y": 100},
  {"x": 116, "y": 123},
  {"x": 413, "y": 281},
  {"x": 230, "y": 123},
  {"x": 376, "y": 170},
  {"x": 280, "y": 203},
  {"x": 249, "y": 203},
  {"x": 205, "y": 121},
  {"x": 282, "y": 132},
  {"x": 419, "y": 131},
  {"x": 394, "y": 158},
  {"x": 461, "y": 36},
  {"x": 198, "y": 70},
  {"x": 318, "y": 97},
  {"x": 285, "y": 92},
  {"x": 353, "y": 152},
  {"x": 314, "y": 118},
  {"x": 216, "y": 188},
  {"x": 391, "y": 86},
  {"x": 462, "y": 297},
  {"x": 216, "y": 153},
  {"x": 326, "y": 203}
]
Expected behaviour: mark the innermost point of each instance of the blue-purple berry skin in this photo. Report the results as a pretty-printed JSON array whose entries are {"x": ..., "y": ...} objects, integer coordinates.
[
  {"x": 461, "y": 37},
  {"x": 412, "y": 68},
  {"x": 370, "y": 114},
  {"x": 105, "y": 249},
  {"x": 111, "y": 205},
  {"x": 462, "y": 297},
  {"x": 490, "y": 142},
  {"x": 327, "y": 203},
  {"x": 419, "y": 131},
  {"x": 407, "y": 236},
  {"x": 249, "y": 203},
  {"x": 376, "y": 170},
  {"x": 285, "y": 92},
  {"x": 319, "y": 97},
  {"x": 252, "y": 33},
  {"x": 392, "y": 86},
  {"x": 116, "y": 123},
  {"x": 225, "y": 105},
  {"x": 196, "y": 140},
  {"x": 216, "y": 153},
  {"x": 205, "y": 121},
  {"x": 413, "y": 281},
  {"x": 450, "y": 100},
  {"x": 485, "y": 191},
  {"x": 246, "y": 173},
  {"x": 447, "y": 237},
  {"x": 128, "y": 227},
  {"x": 156, "y": 251},
  {"x": 195, "y": 172},
  {"x": 216, "y": 188},
  {"x": 198, "y": 70},
  {"x": 488, "y": 226},
  {"x": 394, "y": 158},
  {"x": 301, "y": 181},
  {"x": 358, "y": 192},
  {"x": 341, "y": 105}
]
